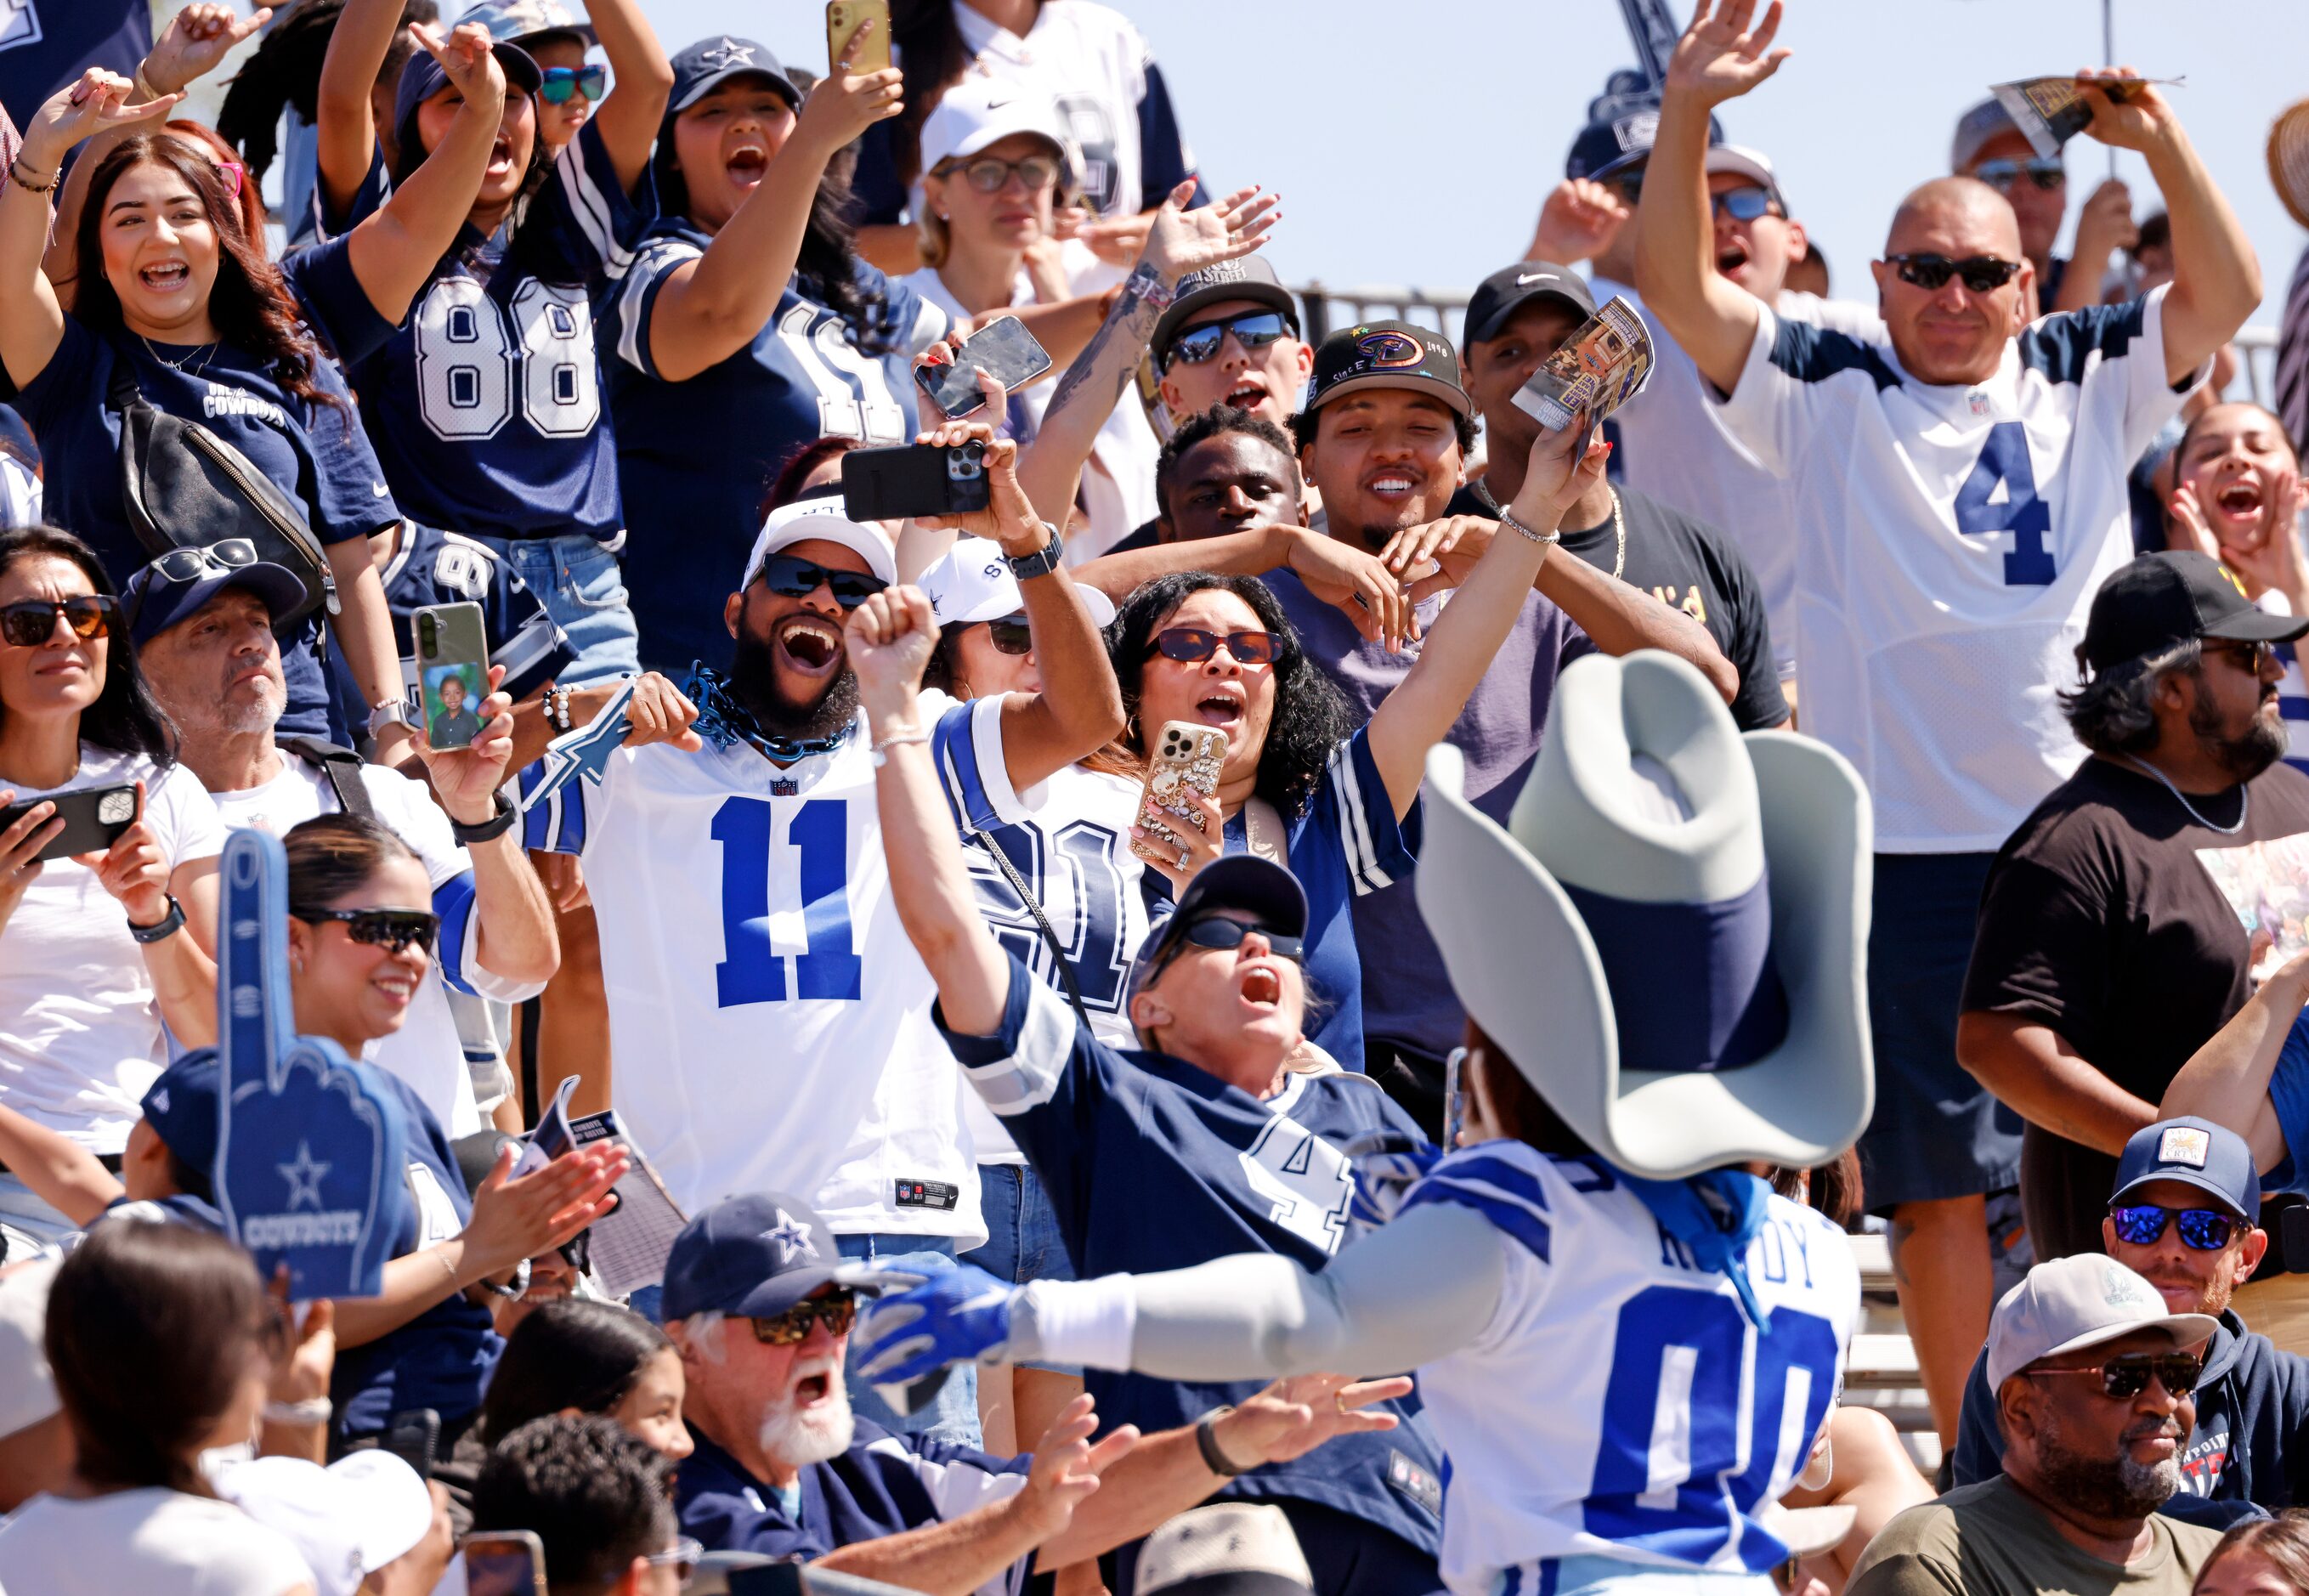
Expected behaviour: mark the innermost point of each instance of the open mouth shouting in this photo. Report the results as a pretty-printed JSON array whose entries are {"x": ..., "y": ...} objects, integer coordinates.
[
  {"x": 1261, "y": 985},
  {"x": 2240, "y": 500},
  {"x": 808, "y": 645},
  {"x": 747, "y": 163},
  {"x": 1223, "y": 705},
  {"x": 813, "y": 1383},
  {"x": 165, "y": 277},
  {"x": 1248, "y": 394},
  {"x": 500, "y": 157},
  {"x": 1730, "y": 257}
]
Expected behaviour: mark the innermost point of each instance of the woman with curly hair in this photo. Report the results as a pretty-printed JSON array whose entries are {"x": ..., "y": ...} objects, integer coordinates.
[{"x": 175, "y": 295}]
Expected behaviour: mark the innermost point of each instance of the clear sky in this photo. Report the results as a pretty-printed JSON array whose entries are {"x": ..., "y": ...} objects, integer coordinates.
[{"x": 1417, "y": 151}]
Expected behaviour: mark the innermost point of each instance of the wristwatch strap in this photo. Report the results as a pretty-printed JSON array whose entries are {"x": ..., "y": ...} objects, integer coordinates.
[
  {"x": 169, "y": 925},
  {"x": 1042, "y": 561},
  {"x": 1206, "y": 1441},
  {"x": 393, "y": 712},
  {"x": 490, "y": 830}
]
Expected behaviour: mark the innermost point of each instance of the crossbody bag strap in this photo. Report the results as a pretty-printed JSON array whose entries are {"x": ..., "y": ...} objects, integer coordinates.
[
  {"x": 342, "y": 767},
  {"x": 1050, "y": 936}
]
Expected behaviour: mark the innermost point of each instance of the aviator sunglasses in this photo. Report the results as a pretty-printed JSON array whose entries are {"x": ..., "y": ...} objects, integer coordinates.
[
  {"x": 1192, "y": 645},
  {"x": 1982, "y": 274},
  {"x": 33, "y": 621},
  {"x": 2127, "y": 1375},
  {"x": 1011, "y": 636},
  {"x": 837, "y": 1312},
  {"x": 2044, "y": 171},
  {"x": 391, "y": 929},
  {"x": 794, "y": 577},
  {"x": 563, "y": 81},
  {"x": 2202, "y": 1230},
  {"x": 1199, "y": 344}
]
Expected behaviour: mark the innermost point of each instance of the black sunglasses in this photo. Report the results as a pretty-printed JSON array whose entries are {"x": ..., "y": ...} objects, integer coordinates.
[
  {"x": 2045, "y": 171},
  {"x": 1744, "y": 204},
  {"x": 1217, "y": 931},
  {"x": 1982, "y": 274},
  {"x": 837, "y": 1311},
  {"x": 31, "y": 622},
  {"x": 1192, "y": 645},
  {"x": 990, "y": 173},
  {"x": 2128, "y": 1374},
  {"x": 2252, "y": 655},
  {"x": 1011, "y": 636},
  {"x": 1198, "y": 344},
  {"x": 2202, "y": 1230},
  {"x": 391, "y": 929},
  {"x": 797, "y": 578}
]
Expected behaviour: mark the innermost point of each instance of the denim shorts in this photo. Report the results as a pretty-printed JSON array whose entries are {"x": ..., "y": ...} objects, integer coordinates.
[
  {"x": 576, "y": 578},
  {"x": 1022, "y": 1235}
]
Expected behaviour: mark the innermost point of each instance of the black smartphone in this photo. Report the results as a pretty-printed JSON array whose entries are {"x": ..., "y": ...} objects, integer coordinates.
[
  {"x": 1006, "y": 352},
  {"x": 93, "y": 816},
  {"x": 915, "y": 479},
  {"x": 774, "y": 1579},
  {"x": 414, "y": 1435},
  {"x": 504, "y": 1563}
]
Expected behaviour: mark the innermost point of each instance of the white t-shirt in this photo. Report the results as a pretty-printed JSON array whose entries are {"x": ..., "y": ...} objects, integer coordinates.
[
  {"x": 769, "y": 1016},
  {"x": 80, "y": 1026},
  {"x": 19, "y": 494},
  {"x": 1949, "y": 542},
  {"x": 427, "y": 1051},
  {"x": 151, "y": 1542},
  {"x": 1665, "y": 445}
]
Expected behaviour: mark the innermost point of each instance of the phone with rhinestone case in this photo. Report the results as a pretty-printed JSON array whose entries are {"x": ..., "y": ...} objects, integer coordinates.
[{"x": 1187, "y": 758}]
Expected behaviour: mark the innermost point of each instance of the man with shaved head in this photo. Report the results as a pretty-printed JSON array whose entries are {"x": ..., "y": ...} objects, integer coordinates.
[{"x": 1960, "y": 494}]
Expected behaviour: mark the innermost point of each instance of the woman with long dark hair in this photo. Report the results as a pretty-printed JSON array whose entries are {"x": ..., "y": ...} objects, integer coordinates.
[
  {"x": 161, "y": 1341},
  {"x": 97, "y": 950},
  {"x": 581, "y": 1357},
  {"x": 172, "y": 293}
]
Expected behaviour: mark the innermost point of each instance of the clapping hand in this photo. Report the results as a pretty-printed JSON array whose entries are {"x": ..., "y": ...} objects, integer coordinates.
[{"x": 1067, "y": 1467}]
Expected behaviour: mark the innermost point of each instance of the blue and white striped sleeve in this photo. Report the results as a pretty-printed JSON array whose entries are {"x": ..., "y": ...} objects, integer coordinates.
[
  {"x": 1797, "y": 376},
  {"x": 966, "y": 745},
  {"x": 557, "y": 825},
  {"x": 1353, "y": 805},
  {"x": 1504, "y": 1193},
  {"x": 594, "y": 225},
  {"x": 957, "y": 1479},
  {"x": 635, "y": 300},
  {"x": 2124, "y": 343},
  {"x": 1024, "y": 1065}
]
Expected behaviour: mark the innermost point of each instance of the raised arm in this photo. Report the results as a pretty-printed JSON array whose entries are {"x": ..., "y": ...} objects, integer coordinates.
[
  {"x": 1718, "y": 58},
  {"x": 513, "y": 923},
  {"x": 642, "y": 84},
  {"x": 712, "y": 307},
  {"x": 888, "y": 640},
  {"x": 58, "y": 1170},
  {"x": 345, "y": 137},
  {"x": 1413, "y": 717},
  {"x": 1353, "y": 581},
  {"x": 394, "y": 252},
  {"x": 2226, "y": 1080},
  {"x": 2216, "y": 276}
]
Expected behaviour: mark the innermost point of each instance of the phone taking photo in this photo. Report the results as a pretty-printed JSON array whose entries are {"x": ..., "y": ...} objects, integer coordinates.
[
  {"x": 1003, "y": 349},
  {"x": 914, "y": 480},
  {"x": 452, "y": 671}
]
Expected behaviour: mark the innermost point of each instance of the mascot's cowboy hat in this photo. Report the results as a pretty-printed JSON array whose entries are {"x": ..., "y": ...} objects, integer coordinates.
[{"x": 1667, "y": 936}]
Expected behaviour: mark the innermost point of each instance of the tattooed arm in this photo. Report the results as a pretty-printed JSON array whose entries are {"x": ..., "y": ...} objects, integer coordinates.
[{"x": 1177, "y": 242}]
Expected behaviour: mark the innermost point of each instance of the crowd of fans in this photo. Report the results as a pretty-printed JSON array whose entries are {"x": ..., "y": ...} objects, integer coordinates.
[{"x": 861, "y": 919}]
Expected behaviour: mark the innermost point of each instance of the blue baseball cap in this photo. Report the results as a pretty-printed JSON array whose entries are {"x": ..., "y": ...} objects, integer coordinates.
[
  {"x": 178, "y": 583},
  {"x": 755, "y": 1256},
  {"x": 710, "y": 62},
  {"x": 185, "y": 1106},
  {"x": 423, "y": 78},
  {"x": 2196, "y": 1152},
  {"x": 1612, "y": 143}
]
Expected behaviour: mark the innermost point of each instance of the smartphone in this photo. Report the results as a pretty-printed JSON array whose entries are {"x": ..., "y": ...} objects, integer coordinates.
[
  {"x": 93, "y": 816},
  {"x": 843, "y": 19},
  {"x": 913, "y": 480},
  {"x": 452, "y": 671},
  {"x": 413, "y": 1436},
  {"x": 767, "y": 1579},
  {"x": 504, "y": 1563},
  {"x": 1003, "y": 348},
  {"x": 1187, "y": 758}
]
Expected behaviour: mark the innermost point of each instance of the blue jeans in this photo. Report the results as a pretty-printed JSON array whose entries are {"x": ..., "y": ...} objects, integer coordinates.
[
  {"x": 952, "y": 1416},
  {"x": 575, "y": 577},
  {"x": 1022, "y": 1235}
]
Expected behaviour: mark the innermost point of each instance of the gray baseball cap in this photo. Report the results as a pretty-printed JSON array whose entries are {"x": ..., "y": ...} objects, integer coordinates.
[{"x": 2076, "y": 1302}]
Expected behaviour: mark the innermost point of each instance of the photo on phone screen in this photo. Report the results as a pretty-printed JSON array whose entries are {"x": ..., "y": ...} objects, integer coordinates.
[
  {"x": 452, "y": 672},
  {"x": 1004, "y": 347}
]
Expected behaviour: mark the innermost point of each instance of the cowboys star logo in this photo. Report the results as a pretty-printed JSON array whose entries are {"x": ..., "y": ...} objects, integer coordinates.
[
  {"x": 728, "y": 54},
  {"x": 792, "y": 1240}
]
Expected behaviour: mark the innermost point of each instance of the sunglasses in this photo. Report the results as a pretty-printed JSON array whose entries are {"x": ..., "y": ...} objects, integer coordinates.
[
  {"x": 682, "y": 1556},
  {"x": 989, "y": 173},
  {"x": 1192, "y": 645},
  {"x": 2249, "y": 655},
  {"x": 562, "y": 82},
  {"x": 2202, "y": 1230},
  {"x": 2128, "y": 1374},
  {"x": 191, "y": 564},
  {"x": 391, "y": 929},
  {"x": 1252, "y": 329},
  {"x": 1743, "y": 204},
  {"x": 2046, "y": 172},
  {"x": 1011, "y": 636},
  {"x": 32, "y": 621},
  {"x": 837, "y": 1312},
  {"x": 797, "y": 578},
  {"x": 1221, "y": 933},
  {"x": 1982, "y": 274}
]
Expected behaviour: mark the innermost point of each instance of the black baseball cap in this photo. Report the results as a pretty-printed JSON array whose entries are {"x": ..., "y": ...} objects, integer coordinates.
[
  {"x": 1508, "y": 289},
  {"x": 179, "y": 583},
  {"x": 1611, "y": 144},
  {"x": 424, "y": 77},
  {"x": 2195, "y": 1152},
  {"x": 755, "y": 1256},
  {"x": 1259, "y": 887},
  {"x": 2161, "y": 600},
  {"x": 1249, "y": 278},
  {"x": 710, "y": 62},
  {"x": 1386, "y": 355}
]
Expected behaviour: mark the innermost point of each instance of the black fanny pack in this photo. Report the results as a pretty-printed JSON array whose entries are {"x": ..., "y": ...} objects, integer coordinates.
[{"x": 185, "y": 487}]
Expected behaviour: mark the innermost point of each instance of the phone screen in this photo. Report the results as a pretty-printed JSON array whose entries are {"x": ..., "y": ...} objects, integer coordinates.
[
  {"x": 497, "y": 1567},
  {"x": 1006, "y": 349},
  {"x": 452, "y": 672}
]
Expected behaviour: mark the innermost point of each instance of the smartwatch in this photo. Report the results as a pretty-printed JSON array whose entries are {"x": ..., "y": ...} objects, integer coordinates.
[
  {"x": 166, "y": 927},
  {"x": 1042, "y": 561},
  {"x": 488, "y": 831},
  {"x": 393, "y": 712}
]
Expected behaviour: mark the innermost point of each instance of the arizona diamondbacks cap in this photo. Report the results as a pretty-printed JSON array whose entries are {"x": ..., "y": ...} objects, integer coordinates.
[{"x": 1386, "y": 355}]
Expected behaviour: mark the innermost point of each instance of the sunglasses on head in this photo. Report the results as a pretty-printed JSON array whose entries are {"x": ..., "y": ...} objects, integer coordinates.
[
  {"x": 1982, "y": 274},
  {"x": 797, "y": 578},
  {"x": 2128, "y": 1374},
  {"x": 2202, "y": 1230},
  {"x": 1741, "y": 204},
  {"x": 391, "y": 929},
  {"x": 1192, "y": 645},
  {"x": 562, "y": 82},
  {"x": 1011, "y": 636},
  {"x": 1198, "y": 344},
  {"x": 2045, "y": 171},
  {"x": 31, "y": 622},
  {"x": 218, "y": 558},
  {"x": 837, "y": 1311}
]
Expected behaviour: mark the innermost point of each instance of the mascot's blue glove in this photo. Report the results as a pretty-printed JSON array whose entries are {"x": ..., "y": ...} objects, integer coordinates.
[
  {"x": 1388, "y": 1163},
  {"x": 958, "y": 1315}
]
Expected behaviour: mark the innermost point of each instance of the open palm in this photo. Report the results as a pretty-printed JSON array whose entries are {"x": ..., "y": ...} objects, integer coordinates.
[
  {"x": 1179, "y": 241},
  {"x": 1721, "y": 55}
]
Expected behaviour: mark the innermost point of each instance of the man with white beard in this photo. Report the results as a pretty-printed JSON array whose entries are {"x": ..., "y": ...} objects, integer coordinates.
[
  {"x": 760, "y": 1303},
  {"x": 2092, "y": 1379}
]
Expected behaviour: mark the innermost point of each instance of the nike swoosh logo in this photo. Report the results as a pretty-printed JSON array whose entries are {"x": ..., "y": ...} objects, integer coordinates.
[
  {"x": 379, "y": 489},
  {"x": 1532, "y": 277}
]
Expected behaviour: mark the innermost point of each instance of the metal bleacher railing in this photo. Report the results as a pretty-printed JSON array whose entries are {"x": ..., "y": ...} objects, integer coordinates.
[{"x": 1324, "y": 307}]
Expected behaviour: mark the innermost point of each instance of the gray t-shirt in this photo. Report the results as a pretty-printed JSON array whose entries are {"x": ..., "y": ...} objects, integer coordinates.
[{"x": 1407, "y": 998}]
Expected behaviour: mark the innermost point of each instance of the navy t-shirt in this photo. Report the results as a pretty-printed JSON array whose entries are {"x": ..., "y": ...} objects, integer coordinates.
[
  {"x": 337, "y": 309},
  {"x": 697, "y": 455},
  {"x": 442, "y": 1358},
  {"x": 1151, "y": 1164},
  {"x": 317, "y": 453}
]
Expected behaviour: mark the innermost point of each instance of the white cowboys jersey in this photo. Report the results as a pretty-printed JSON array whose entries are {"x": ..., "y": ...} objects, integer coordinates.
[
  {"x": 1949, "y": 542},
  {"x": 1619, "y": 1404}
]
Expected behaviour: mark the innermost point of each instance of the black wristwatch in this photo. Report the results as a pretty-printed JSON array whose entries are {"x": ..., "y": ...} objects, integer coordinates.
[
  {"x": 167, "y": 926},
  {"x": 496, "y": 825},
  {"x": 1042, "y": 561},
  {"x": 514, "y": 1289}
]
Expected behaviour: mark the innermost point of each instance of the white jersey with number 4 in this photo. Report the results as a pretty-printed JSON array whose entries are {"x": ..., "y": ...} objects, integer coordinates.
[
  {"x": 1950, "y": 538},
  {"x": 769, "y": 1018}
]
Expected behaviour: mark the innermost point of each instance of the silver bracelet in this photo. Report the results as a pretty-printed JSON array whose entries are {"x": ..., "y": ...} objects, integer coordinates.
[
  {"x": 308, "y": 1414},
  {"x": 1507, "y": 519},
  {"x": 882, "y": 749}
]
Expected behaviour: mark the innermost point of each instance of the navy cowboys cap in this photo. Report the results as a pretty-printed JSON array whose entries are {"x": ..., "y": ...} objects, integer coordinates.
[
  {"x": 1508, "y": 289},
  {"x": 179, "y": 583},
  {"x": 2194, "y": 1151},
  {"x": 1244, "y": 882},
  {"x": 424, "y": 77},
  {"x": 1386, "y": 355},
  {"x": 755, "y": 1256},
  {"x": 1612, "y": 143},
  {"x": 1250, "y": 278},
  {"x": 184, "y": 1107},
  {"x": 710, "y": 62}
]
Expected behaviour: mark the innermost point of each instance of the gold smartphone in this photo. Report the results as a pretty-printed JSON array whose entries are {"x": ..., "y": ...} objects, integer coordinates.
[
  {"x": 1185, "y": 758},
  {"x": 843, "y": 18}
]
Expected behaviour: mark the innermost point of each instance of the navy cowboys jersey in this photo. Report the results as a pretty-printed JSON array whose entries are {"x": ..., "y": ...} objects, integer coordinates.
[{"x": 436, "y": 567}]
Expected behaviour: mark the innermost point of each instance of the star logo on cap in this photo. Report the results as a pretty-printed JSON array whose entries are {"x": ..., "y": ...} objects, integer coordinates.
[
  {"x": 791, "y": 1237},
  {"x": 304, "y": 1177},
  {"x": 728, "y": 54},
  {"x": 161, "y": 1099}
]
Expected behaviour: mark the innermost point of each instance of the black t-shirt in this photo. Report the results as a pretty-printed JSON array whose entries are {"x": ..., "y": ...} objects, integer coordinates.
[
  {"x": 2100, "y": 921},
  {"x": 1145, "y": 536},
  {"x": 1686, "y": 564}
]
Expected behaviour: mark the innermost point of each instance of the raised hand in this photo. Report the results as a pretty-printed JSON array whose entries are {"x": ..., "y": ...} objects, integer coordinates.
[
  {"x": 195, "y": 42},
  {"x": 2188, "y": 527},
  {"x": 2142, "y": 119},
  {"x": 96, "y": 102},
  {"x": 469, "y": 59},
  {"x": 1115, "y": 239},
  {"x": 2105, "y": 224},
  {"x": 841, "y": 106},
  {"x": 888, "y": 640},
  {"x": 1179, "y": 241},
  {"x": 1067, "y": 1467},
  {"x": 1577, "y": 222},
  {"x": 466, "y": 779},
  {"x": 1721, "y": 55},
  {"x": 1009, "y": 517},
  {"x": 1563, "y": 465},
  {"x": 1292, "y": 1417}
]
